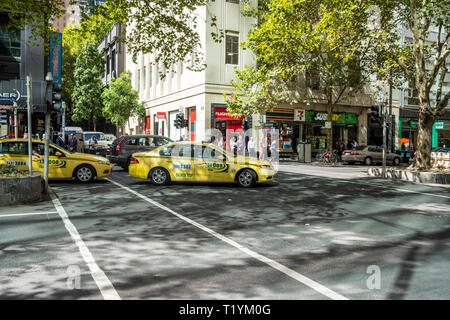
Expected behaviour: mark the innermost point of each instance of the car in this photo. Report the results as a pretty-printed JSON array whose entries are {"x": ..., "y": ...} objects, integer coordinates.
[
  {"x": 109, "y": 138},
  {"x": 369, "y": 155},
  {"x": 63, "y": 164},
  {"x": 198, "y": 162},
  {"x": 101, "y": 148},
  {"x": 122, "y": 148}
]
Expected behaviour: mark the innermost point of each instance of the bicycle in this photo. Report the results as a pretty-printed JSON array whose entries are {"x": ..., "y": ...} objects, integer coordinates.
[{"x": 326, "y": 157}]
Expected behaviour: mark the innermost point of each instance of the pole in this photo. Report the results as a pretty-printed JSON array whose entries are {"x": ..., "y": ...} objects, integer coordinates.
[
  {"x": 63, "y": 105},
  {"x": 30, "y": 156},
  {"x": 47, "y": 137},
  {"x": 384, "y": 140},
  {"x": 16, "y": 122}
]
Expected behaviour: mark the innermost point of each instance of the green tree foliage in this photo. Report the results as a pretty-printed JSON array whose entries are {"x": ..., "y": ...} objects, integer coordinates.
[
  {"x": 308, "y": 51},
  {"x": 88, "y": 86},
  {"x": 121, "y": 101},
  {"x": 423, "y": 62}
]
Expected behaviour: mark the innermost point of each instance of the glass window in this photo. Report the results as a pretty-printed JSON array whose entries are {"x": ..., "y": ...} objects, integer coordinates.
[
  {"x": 14, "y": 148},
  {"x": 182, "y": 150},
  {"x": 98, "y": 136},
  {"x": 233, "y": 1},
  {"x": 213, "y": 154},
  {"x": 231, "y": 49},
  {"x": 166, "y": 152},
  {"x": 161, "y": 141}
]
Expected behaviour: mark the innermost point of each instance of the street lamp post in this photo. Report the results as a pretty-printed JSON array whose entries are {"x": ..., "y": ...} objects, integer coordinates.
[{"x": 49, "y": 82}]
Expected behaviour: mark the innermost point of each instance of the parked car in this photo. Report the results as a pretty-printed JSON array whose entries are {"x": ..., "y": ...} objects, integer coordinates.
[
  {"x": 369, "y": 155},
  {"x": 441, "y": 149},
  {"x": 109, "y": 138},
  {"x": 122, "y": 148},
  {"x": 101, "y": 148}
]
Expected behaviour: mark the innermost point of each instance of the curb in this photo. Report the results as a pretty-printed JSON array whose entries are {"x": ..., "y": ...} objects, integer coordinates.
[{"x": 412, "y": 176}]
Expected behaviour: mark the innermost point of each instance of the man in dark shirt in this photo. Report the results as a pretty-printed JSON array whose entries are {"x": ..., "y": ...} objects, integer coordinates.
[{"x": 72, "y": 143}]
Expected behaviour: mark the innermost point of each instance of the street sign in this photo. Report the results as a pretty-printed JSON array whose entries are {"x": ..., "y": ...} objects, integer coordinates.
[
  {"x": 439, "y": 125},
  {"x": 413, "y": 123}
]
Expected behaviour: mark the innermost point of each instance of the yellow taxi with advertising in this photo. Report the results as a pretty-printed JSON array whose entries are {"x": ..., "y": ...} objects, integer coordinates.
[
  {"x": 63, "y": 164},
  {"x": 198, "y": 162}
]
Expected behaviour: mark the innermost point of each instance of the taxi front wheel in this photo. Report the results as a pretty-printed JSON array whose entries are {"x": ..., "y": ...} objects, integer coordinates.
[
  {"x": 246, "y": 178},
  {"x": 84, "y": 173},
  {"x": 159, "y": 176}
]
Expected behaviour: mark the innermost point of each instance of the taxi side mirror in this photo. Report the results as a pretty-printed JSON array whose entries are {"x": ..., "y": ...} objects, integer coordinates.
[{"x": 58, "y": 154}]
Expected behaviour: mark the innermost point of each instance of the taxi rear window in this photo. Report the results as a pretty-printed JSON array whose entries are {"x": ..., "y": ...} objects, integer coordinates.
[{"x": 14, "y": 148}]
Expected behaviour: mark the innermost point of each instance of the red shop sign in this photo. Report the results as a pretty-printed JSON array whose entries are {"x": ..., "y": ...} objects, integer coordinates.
[
  {"x": 161, "y": 115},
  {"x": 222, "y": 113}
]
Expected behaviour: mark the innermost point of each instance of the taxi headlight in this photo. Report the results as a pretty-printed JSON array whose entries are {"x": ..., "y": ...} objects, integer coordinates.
[
  {"x": 103, "y": 162},
  {"x": 266, "y": 167}
]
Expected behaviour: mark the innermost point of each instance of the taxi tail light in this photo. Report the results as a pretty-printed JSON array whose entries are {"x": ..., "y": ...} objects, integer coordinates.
[
  {"x": 119, "y": 146},
  {"x": 134, "y": 160},
  {"x": 354, "y": 153}
]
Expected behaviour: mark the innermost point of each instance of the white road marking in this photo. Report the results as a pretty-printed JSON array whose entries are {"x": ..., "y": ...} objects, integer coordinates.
[
  {"x": 100, "y": 278},
  {"x": 321, "y": 174},
  {"x": 291, "y": 273},
  {"x": 27, "y": 214}
]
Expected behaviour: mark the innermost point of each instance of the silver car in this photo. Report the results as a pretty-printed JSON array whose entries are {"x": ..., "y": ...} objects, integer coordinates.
[{"x": 369, "y": 155}]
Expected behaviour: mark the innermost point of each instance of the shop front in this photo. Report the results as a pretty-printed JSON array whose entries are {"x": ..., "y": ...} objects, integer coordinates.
[
  {"x": 228, "y": 125},
  {"x": 299, "y": 125},
  {"x": 345, "y": 128}
]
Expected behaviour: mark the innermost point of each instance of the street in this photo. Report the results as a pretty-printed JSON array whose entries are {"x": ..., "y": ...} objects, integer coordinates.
[{"x": 314, "y": 233}]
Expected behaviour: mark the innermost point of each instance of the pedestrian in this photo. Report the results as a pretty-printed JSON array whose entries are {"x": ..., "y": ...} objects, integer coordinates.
[
  {"x": 354, "y": 144},
  {"x": 273, "y": 148},
  {"x": 233, "y": 145},
  {"x": 252, "y": 148},
  {"x": 262, "y": 148},
  {"x": 240, "y": 145},
  {"x": 72, "y": 142},
  {"x": 221, "y": 143},
  {"x": 59, "y": 140},
  {"x": 92, "y": 143}
]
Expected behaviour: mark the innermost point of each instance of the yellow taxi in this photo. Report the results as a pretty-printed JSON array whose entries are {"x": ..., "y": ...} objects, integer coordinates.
[
  {"x": 63, "y": 164},
  {"x": 198, "y": 162}
]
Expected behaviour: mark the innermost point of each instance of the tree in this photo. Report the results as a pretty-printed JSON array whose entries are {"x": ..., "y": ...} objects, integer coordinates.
[
  {"x": 423, "y": 63},
  {"x": 323, "y": 41},
  {"x": 121, "y": 100},
  {"x": 88, "y": 87}
]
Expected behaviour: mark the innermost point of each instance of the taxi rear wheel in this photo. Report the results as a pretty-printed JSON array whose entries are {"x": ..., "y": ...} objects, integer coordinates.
[
  {"x": 246, "y": 178},
  {"x": 159, "y": 176},
  {"x": 84, "y": 173}
]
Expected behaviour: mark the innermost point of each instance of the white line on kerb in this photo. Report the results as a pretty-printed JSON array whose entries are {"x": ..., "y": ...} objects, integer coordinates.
[
  {"x": 100, "y": 278},
  {"x": 27, "y": 214},
  {"x": 291, "y": 273}
]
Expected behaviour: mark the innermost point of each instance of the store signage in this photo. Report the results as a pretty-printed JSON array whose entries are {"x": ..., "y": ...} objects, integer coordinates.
[
  {"x": 328, "y": 124},
  {"x": 262, "y": 118},
  {"x": 10, "y": 96},
  {"x": 55, "y": 56},
  {"x": 299, "y": 115},
  {"x": 222, "y": 114},
  {"x": 439, "y": 125},
  {"x": 280, "y": 114},
  {"x": 340, "y": 118},
  {"x": 161, "y": 115},
  {"x": 413, "y": 123}
]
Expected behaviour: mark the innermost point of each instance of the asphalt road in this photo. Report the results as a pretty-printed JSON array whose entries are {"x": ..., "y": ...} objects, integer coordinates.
[{"x": 315, "y": 233}]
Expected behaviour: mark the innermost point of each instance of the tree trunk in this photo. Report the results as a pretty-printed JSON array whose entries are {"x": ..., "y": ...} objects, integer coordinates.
[
  {"x": 330, "y": 130},
  {"x": 422, "y": 157},
  {"x": 93, "y": 122}
]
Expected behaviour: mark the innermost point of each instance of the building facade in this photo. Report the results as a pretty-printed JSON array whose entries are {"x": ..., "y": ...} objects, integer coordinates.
[{"x": 199, "y": 95}]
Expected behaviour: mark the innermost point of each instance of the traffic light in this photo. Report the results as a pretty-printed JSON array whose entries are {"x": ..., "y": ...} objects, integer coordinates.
[
  {"x": 179, "y": 120},
  {"x": 56, "y": 98},
  {"x": 3, "y": 116}
]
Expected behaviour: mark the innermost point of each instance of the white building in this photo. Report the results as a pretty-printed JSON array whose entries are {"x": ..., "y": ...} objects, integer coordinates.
[{"x": 199, "y": 95}]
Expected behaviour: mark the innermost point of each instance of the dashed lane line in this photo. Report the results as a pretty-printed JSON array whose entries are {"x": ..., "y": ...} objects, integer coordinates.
[
  {"x": 104, "y": 284},
  {"x": 272, "y": 263}
]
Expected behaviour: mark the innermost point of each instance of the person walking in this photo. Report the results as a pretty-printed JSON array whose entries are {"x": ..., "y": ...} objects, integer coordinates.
[
  {"x": 59, "y": 140},
  {"x": 92, "y": 143},
  {"x": 262, "y": 148},
  {"x": 252, "y": 147},
  {"x": 234, "y": 146},
  {"x": 241, "y": 146}
]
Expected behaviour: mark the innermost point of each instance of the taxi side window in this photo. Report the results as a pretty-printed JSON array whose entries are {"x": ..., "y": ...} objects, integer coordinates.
[
  {"x": 182, "y": 151},
  {"x": 212, "y": 154},
  {"x": 14, "y": 148},
  {"x": 166, "y": 152}
]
